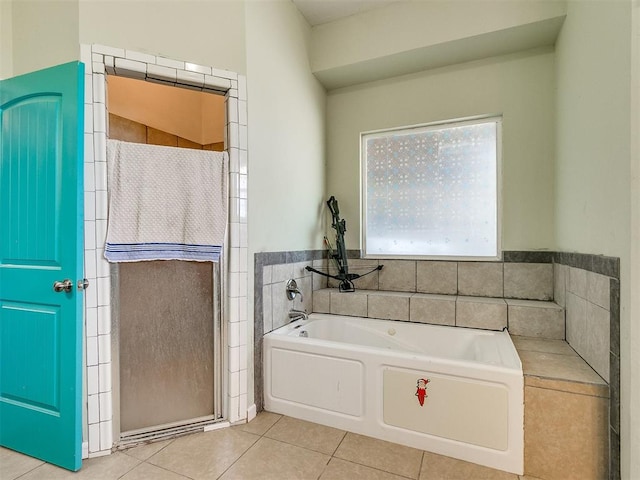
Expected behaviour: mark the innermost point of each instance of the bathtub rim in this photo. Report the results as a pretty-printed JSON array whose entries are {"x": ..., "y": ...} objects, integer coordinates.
[{"x": 282, "y": 334}]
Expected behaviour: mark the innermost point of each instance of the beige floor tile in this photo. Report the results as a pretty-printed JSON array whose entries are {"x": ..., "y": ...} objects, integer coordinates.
[
  {"x": 143, "y": 452},
  {"x": 259, "y": 425},
  {"x": 342, "y": 470},
  {"x": 307, "y": 435},
  {"x": 272, "y": 460},
  {"x": 438, "y": 467},
  {"x": 390, "y": 457},
  {"x": 110, "y": 467},
  {"x": 204, "y": 455},
  {"x": 14, "y": 464},
  {"x": 145, "y": 471}
]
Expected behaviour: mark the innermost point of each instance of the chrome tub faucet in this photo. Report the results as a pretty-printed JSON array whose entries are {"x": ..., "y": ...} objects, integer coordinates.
[{"x": 297, "y": 315}]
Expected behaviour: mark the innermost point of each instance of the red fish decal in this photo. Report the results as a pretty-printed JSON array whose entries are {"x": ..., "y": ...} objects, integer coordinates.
[{"x": 421, "y": 392}]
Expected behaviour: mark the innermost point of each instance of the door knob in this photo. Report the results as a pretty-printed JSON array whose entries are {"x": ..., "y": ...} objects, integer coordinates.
[{"x": 63, "y": 286}]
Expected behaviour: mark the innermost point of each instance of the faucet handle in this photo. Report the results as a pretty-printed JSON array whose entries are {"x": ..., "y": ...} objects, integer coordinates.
[{"x": 292, "y": 290}]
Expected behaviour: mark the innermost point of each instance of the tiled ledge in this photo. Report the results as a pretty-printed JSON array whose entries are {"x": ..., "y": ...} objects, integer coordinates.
[
  {"x": 553, "y": 364},
  {"x": 521, "y": 317}
]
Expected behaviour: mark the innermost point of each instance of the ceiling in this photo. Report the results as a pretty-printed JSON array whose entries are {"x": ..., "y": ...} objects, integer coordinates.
[{"x": 317, "y": 12}]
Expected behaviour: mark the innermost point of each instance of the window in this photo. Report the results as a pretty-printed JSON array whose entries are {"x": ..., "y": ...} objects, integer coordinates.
[{"x": 432, "y": 190}]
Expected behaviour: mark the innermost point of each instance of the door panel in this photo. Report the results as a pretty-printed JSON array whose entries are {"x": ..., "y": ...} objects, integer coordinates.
[
  {"x": 29, "y": 374},
  {"x": 41, "y": 213},
  {"x": 30, "y": 226}
]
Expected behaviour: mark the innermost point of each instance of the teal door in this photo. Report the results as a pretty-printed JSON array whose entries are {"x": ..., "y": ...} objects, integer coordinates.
[{"x": 41, "y": 245}]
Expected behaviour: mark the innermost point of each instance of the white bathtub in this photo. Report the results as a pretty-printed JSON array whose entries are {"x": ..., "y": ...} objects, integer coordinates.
[{"x": 362, "y": 375}]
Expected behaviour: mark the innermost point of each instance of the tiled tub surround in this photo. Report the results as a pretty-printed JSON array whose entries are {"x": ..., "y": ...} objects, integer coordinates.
[
  {"x": 102, "y": 60},
  {"x": 492, "y": 295},
  {"x": 588, "y": 286},
  {"x": 520, "y": 288},
  {"x": 522, "y": 317},
  {"x": 524, "y": 277},
  {"x": 271, "y": 306},
  {"x": 434, "y": 289}
]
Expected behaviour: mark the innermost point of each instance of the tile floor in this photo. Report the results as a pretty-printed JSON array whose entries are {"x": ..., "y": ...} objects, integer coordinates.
[{"x": 269, "y": 447}]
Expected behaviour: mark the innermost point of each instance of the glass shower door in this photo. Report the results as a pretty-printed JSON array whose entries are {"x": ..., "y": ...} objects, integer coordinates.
[{"x": 169, "y": 338}]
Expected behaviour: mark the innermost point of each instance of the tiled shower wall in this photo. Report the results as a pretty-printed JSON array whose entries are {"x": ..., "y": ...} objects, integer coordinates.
[{"x": 102, "y": 60}]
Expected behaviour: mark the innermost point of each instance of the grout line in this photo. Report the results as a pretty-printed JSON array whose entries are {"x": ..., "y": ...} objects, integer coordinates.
[
  {"x": 339, "y": 443},
  {"x": 242, "y": 455},
  {"x": 274, "y": 424},
  {"x": 421, "y": 463},
  {"x": 157, "y": 466},
  {"x": 140, "y": 462},
  {"x": 379, "y": 469},
  {"x": 549, "y": 389},
  {"x": 324, "y": 469}
]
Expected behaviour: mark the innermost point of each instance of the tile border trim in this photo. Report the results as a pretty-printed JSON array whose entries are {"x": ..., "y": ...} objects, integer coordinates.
[{"x": 609, "y": 266}]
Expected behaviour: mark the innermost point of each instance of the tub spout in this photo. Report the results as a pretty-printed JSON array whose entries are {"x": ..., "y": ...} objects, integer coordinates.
[{"x": 297, "y": 315}]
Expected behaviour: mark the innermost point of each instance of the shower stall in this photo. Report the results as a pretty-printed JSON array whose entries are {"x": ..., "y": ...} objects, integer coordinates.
[
  {"x": 167, "y": 325},
  {"x": 142, "y": 346}
]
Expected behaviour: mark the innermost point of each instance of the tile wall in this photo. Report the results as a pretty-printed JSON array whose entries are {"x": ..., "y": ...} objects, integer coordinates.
[
  {"x": 100, "y": 61},
  {"x": 271, "y": 306},
  {"x": 492, "y": 295},
  {"x": 524, "y": 278},
  {"x": 532, "y": 318},
  {"x": 588, "y": 287}
]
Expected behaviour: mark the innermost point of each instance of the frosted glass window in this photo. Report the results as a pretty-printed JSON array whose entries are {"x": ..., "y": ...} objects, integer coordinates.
[{"x": 432, "y": 191}]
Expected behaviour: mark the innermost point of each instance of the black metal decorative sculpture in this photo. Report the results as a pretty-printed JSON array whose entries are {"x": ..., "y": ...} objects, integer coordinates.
[{"x": 339, "y": 255}]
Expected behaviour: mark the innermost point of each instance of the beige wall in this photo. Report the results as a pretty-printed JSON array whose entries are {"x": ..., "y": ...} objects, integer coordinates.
[
  {"x": 205, "y": 32},
  {"x": 408, "y": 37},
  {"x": 6, "y": 40},
  {"x": 401, "y": 27},
  {"x": 593, "y": 206},
  {"x": 286, "y": 136},
  {"x": 44, "y": 33},
  {"x": 520, "y": 87}
]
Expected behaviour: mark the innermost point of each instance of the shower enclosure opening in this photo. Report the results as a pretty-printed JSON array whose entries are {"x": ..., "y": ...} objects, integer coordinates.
[{"x": 167, "y": 323}]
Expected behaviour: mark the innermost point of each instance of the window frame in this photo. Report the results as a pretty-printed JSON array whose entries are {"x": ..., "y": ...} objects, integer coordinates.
[{"x": 438, "y": 125}]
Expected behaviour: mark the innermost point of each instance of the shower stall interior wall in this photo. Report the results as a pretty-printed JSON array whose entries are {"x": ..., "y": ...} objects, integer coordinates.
[{"x": 101, "y": 425}]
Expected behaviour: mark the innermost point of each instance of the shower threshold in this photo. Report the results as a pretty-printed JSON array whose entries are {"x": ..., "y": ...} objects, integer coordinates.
[{"x": 171, "y": 430}]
